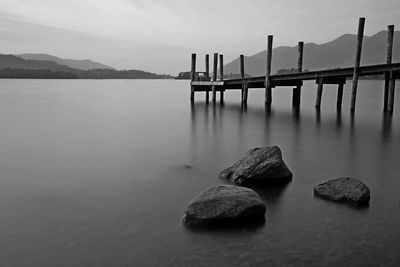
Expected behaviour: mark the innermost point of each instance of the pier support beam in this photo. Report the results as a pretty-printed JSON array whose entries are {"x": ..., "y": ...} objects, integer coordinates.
[
  {"x": 339, "y": 96},
  {"x": 215, "y": 68},
  {"x": 319, "y": 93},
  {"x": 268, "y": 88},
  {"x": 245, "y": 87},
  {"x": 357, "y": 60},
  {"x": 388, "y": 61},
  {"x": 297, "y": 90},
  {"x": 207, "y": 75},
  {"x": 192, "y": 76},
  {"x": 221, "y": 76},
  {"x": 392, "y": 85},
  {"x": 242, "y": 75}
]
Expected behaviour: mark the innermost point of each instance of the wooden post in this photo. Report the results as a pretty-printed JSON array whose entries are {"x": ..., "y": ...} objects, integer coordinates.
[
  {"x": 221, "y": 67},
  {"x": 221, "y": 75},
  {"x": 339, "y": 96},
  {"x": 357, "y": 60},
  {"x": 192, "y": 76},
  {"x": 245, "y": 92},
  {"x": 392, "y": 85},
  {"x": 215, "y": 69},
  {"x": 268, "y": 90},
  {"x": 319, "y": 93},
  {"x": 207, "y": 65},
  {"x": 241, "y": 66},
  {"x": 388, "y": 61},
  {"x": 297, "y": 90},
  {"x": 242, "y": 75}
]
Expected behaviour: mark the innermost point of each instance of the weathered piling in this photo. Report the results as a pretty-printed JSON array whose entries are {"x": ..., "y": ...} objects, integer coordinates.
[
  {"x": 242, "y": 75},
  {"x": 268, "y": 89},
  {"x": 319, "y": 93},
  {"x": 215, "y": 69},
  {"x": 388, "y": 61},
  {"x": 245, "y": 87},
  {"x": 207, "y": 67},
  {"x": 339, "y": 96},
  {"x": 392, "y": 85},
  {"x": 242, "y": 66},
  {"x": 221, "y": 75},
  {"x": 192, "y": 76},
  {"x": 360, "y": 35},
  {"x": 297, "y": 90}
]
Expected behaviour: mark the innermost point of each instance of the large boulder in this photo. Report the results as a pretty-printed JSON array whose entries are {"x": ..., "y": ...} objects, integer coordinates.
[
  {"x": 344, "y": 189},
  {"x": 224, "y": 204},
  {"x": 259, "y": 165}
]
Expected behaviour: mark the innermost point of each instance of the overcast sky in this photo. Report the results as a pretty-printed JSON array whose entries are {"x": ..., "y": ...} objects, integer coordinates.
[{"x": 159, "y": 35}]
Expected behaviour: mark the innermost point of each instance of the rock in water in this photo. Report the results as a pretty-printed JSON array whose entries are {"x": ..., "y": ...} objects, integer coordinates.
[
  {"x": 344, "y": 189},
  {"x": 224, "y": 204},
  {"x": 263, "y": 165}
]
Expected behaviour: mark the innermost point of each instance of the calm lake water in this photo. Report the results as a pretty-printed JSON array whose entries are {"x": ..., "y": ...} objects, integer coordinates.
[{"x": 98, "y": 172}]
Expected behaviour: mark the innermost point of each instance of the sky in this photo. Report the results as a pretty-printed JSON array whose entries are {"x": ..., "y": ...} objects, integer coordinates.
[{"x": 160, "y": 35}]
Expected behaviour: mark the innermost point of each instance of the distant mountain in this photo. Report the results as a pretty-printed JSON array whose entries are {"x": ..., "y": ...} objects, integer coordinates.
[
  {"x": 84, "y": 64},
  {"x": 333, "y": 54},
  {"x": 16, "y": 67},
  {"x": 15, "y": 62}
]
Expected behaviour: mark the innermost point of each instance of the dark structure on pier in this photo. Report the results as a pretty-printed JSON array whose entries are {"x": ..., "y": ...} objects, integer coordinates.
[{"x": 202, "y": 82}]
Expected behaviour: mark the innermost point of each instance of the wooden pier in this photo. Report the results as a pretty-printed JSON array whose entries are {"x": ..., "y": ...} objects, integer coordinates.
[{"x": 338, "y": 76}]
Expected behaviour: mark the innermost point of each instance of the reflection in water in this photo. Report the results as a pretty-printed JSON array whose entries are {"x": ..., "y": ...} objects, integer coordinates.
[
  {"x": 243, "y": 107},
  {"x": 271, "y": 194},
  {"x": 338, "y": 118},
  {"x": 296, "y": 114},
  {"x": 386, "y": 126},
  {"x": 317, "y": 144},
  {"x": 318, "y": 116},
  {"x": 243, "y": 227},
  {"x": 94, "y": 161}
]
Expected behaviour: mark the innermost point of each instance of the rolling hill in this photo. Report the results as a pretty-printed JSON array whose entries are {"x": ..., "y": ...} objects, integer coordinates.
[{"x": 84, "y": 64}]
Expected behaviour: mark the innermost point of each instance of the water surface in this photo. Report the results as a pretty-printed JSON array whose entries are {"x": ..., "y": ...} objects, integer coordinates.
[{"x": 97, "y": 173}]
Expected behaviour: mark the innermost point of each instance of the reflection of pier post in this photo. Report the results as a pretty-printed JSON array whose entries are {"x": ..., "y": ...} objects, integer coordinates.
[{"x": 386, "y": 125}]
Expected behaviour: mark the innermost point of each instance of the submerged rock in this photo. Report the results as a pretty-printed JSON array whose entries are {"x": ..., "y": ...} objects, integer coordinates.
[
  {"x": 259, "y": 165},
  {"x": 344, "y": 189},
  {"x": 224, "y": 204}
]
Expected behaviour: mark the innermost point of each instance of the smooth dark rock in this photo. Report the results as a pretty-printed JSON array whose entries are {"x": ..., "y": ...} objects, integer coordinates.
[
  {"x": 259, "y": 165},
  {"x": 344, "y": 189},
  {"x": 224, "y": 205}
]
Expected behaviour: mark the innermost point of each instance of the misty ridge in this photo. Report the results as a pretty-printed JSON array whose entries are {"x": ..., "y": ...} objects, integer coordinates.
[
  {"x": 338, "y": 53},
  {"x": 45, "y": 66}
]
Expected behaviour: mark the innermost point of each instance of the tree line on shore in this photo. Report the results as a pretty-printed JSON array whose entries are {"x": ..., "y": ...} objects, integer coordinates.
[{"x": 79, "y": 74}]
